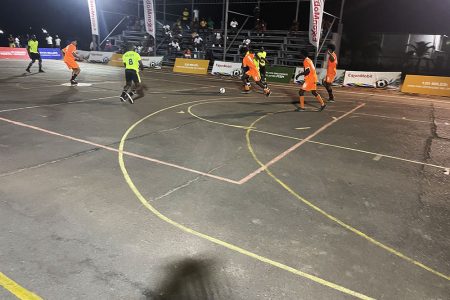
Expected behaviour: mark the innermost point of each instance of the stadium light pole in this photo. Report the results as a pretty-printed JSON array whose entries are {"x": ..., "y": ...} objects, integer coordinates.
[
  {"x": 227, "y": 5},
  {"x": 296, "y": 11},
  {"x": 340, "y": 29}
]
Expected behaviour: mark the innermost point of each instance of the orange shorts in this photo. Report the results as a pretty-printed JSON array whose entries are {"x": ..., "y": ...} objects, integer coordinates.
[
  {"x": 72, "y": 64},
  {"x": 309, "y": 86},
  {"x": 254, "y": 75},
  {"x": 330, "y": 78}
]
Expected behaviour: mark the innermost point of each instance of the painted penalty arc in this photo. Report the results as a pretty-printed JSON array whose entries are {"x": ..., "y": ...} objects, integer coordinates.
[{"x": 214, "y": 240}]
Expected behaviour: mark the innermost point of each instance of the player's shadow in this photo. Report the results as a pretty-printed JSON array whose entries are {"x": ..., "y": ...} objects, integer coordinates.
[
  {"x": 8, "y": 79},
  {"x": 64, "y": 96},
  {"x": 189, "y": 278}
]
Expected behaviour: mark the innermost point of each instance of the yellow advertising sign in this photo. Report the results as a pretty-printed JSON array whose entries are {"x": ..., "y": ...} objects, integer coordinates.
[
  {"x": 428, "y": 85},
  {"x": 116, "y": 60},
  {"x": 192, "y": 66}
]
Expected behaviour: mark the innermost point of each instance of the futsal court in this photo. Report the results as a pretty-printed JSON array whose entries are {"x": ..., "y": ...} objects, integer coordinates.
[{"x": 193, "y": 194}]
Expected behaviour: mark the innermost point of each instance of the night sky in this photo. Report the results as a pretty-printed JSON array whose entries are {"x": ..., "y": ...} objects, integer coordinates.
[{"x": 70, "y": 19}]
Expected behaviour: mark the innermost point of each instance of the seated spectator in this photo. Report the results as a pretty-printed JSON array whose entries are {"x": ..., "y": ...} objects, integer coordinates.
[
  {"x": 233, "y": 25},
  {"x": 198, "y": 43},
  {"x": 185, "y": 18},
  {"x": 187, "y": 53},
  {"x": 218, "y": 40},
  {"x": 11, "y": 41}
]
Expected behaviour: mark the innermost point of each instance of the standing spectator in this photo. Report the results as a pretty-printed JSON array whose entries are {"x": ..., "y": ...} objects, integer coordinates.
[
  {"x": 210, "y": 24},
  {"x": 203, "y": 25},
  {"x": 11, "y": 41},
  {"x": 196, "y": 14},
  {"x": 167, "y": 31},
  {"x": 17, "y": 42},
  {"x": 178, "y": 29},
  {"x": 234, "y": 24},
  {"x": 185, "y": 18},
  {"x": 187, "y": 53},
  {"x": 49, "y": 40},
  {"x": 108, "y": 46},
  {"x": 218, "y": 38},
  {"x": 57, "y": 42},
  {"x": 92, "y": 46}
]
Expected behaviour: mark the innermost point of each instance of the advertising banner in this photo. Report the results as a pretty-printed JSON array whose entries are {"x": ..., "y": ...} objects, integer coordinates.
[
  {"x": 116, "y": 60},
  {"x": 192, "y": 66},
  {"x": 226, "y": 68},
  {"x": 149, "y": 15},
  {"x": 93, "y": 16},
  {"x": 13, "y": 53},
  {"x": 100, "y": 57},
  {"x": 428, "y": 85},
  {"x": 322, "y": 73},
  {"x": 315, "y": 21},
  {"x": 50, "y": 53},
  {"x": 152, "y": 61},
  {"x": 84, "y": 55},
  {"x": 372, "y": 79},
  {"x": 279, "y": 74}
]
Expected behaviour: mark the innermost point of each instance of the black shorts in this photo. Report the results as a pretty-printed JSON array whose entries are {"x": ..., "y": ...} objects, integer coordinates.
[
  {"x": 35, "y": 56},
  {"x": 132, "y": 75}
]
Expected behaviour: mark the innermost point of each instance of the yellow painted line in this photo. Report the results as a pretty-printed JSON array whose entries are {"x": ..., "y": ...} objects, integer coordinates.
[
  {"x": 17, "y": 290},
  {"x": 331, "y": 217},
  {"x": 310, "y": 141},
  {"x": 214, "y": 240}
]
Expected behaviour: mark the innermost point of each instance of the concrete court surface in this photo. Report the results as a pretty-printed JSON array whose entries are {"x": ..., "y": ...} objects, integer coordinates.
[{"x": 215, "y": 196}]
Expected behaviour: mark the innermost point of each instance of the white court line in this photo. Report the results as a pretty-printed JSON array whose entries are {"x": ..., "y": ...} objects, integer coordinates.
[
  {"x": 285, "y": 153},
  {"x": 56, "y": 104},
  {"x": 388, "y": 117},
  {"x": 117, "y": 151}
]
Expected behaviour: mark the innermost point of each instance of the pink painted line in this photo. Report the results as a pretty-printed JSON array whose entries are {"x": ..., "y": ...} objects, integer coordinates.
[
  {"x": 285, "y": 153},
  {"x": 117, "y": 151}
]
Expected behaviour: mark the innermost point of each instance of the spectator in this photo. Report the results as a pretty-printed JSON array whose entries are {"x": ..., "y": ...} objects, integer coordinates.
[
  {"x": 108, "y": 46},
  {"x": 326, "y": 25},
  {"x": 57, "y": 41},
  {"x": 210, "y": 24},
  {"x": 185, "y": 17},
  {"x": 196, "y": 14},
  {"x": 203, "y": 24},
  {"x": 198, "y": 43},
  {"x": 92, "y": 46},
  {"x": 195, "y": 25},
  {"x": 233, "y": 25},
  {"x": 260, "y": 27},
  {"x": 167, "y": 31},
  {"x": 295, "y": 27},
  {"x": 218, "y": 39},
  {"x": 49, "y": 40},
  {"x": 11, "y": 41},
  {"x": 178, "y": 29},
  {"x": 187, "y": 53},
  {"x": 17, "y": 42},
  {"x": 174, "y": 46}
]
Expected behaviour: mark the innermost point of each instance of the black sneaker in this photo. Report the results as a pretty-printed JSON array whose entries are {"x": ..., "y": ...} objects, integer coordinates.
[
  {"x": 73, "y": 82},
  {"x": 28, "y": 70},
  {"x": 41, "y": 71},
  {"x": 322, "y": 107},
  {"x": 300, "y": 109},
  {"x": 123, "y": 97},
  {"x": 130, "y": 99},
  {"x": 331, "y": 100}
]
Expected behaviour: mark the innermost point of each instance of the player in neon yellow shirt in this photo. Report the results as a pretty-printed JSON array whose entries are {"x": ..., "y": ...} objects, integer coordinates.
[
  {"x": 133, "y": 63},
  {"x": 33, "y": 52}
]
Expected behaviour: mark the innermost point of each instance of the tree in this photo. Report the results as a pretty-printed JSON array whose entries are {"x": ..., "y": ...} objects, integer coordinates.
[{"x": 421, "y": 51}]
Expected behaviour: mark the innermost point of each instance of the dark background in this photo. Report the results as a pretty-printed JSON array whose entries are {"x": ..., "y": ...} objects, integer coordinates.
[{"x": 70, "y": 19}]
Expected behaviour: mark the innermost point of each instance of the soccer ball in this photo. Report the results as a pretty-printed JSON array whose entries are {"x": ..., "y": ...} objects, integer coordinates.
[
  {"x": 152, "y": 64},
  {"x": 236, "y": 72},
  {"x": 381, "y": 83},
  {"x": 222, "y": 90}
]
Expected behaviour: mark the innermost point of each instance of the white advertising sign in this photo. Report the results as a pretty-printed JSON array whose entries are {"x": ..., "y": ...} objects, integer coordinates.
[
  {"x": 100, "y": 57},
  {"x": 152, "y": 61},
  {"x": 226, "y": 68},
  {"x": 372, "y": 79},
  {"x": 93, "y": 16},
  {"x": 322, "y": 73},
  {"x": 315, "y": 21}
]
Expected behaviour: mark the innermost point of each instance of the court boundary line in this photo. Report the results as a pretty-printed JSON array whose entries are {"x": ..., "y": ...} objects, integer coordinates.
[
  {"x": 310, "y": 141},
  {"x": 16, "y": 289},
  {"x": 335, "y": 219}
]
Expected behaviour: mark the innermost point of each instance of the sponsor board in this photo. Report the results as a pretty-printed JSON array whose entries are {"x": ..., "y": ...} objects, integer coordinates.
[
  {"x": 100, "y": 57},
  {"x": 152, "y": 61},
  {"x": 373, "y": 79},
  {"x": 322, "y": 73},
  {"x": 279, "y": 74},
  {"x": 13, "y": 53},
  {"x": 83, "y": 55},
  {"x": 50, "y": 53},
  {"x": 226, "y": 68},
  {"x": 428, "y": 85},
  {"x": 192, "y": 66},
  {"x": 116, "y": 60}
]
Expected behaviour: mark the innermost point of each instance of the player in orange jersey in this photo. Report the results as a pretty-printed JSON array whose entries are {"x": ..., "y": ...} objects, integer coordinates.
[
  {"x": 250, "y": 70},
  {"x": 331, "y": 71},
  {"x": 310, "y": 84},
  {"x": 69, "y": 58}
]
